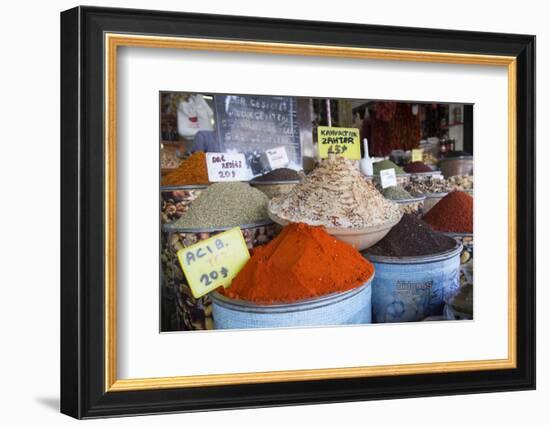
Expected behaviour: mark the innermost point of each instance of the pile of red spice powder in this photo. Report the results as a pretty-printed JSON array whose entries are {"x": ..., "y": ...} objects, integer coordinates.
[
  {"x": 301, "y": 262},
  {"x": 417, "y": 167},
  {"x": 454, "y": 213}
]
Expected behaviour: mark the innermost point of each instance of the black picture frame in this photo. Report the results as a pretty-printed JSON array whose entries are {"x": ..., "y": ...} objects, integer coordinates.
[{"x": 83, "y": 392}]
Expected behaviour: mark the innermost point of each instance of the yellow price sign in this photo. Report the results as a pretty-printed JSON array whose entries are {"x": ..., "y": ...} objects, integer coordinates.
[
  {"x": 339, "y": 141},
  {"x": 214, "y": 262},
  {"x": 416, "y": 155}
]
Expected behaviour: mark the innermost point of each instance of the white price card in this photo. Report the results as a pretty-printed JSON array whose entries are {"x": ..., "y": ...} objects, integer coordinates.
[
  {"x": 226, "y": 167},
  {"x": 277, "y": 157},
  {"x": 387, "y": 178}
]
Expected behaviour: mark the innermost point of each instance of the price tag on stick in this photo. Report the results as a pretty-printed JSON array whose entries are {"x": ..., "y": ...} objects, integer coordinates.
[
  {"x": 277, "y": 157},
  {"x": 214, "y": 262},
  {"x": 387, "y": 178},
  {"x": 338, "y": 141},
  {"x": 416, "y": 155},
  {"x": 226, "y": 167}
]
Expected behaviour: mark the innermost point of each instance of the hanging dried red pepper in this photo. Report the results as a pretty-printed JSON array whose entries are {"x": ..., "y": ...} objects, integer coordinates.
[{"x": 392, "y": 126}]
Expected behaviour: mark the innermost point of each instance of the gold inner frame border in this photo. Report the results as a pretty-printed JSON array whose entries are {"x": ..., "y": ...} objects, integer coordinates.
[{"x": 113, "y": 40}]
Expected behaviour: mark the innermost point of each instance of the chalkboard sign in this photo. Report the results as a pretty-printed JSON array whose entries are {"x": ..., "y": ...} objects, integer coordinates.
[{"x": 252, "y": 124}]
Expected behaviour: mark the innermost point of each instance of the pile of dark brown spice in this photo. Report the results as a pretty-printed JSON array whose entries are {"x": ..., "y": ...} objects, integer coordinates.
[{"x": 412, "y": 237}]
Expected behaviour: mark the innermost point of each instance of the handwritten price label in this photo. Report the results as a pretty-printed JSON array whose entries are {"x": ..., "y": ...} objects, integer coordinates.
[
  {"x": 388, "y": 178},
  {"x": 226, "y": 167},
  {"x": 338, "y": 141},
  {"x": 416, "y": 155},
  {"x": 277, "y": 157},
  {"x": 214, "y": 262}
]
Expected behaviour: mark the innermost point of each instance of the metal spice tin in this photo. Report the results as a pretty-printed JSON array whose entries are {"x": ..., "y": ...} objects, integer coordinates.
[{"x": 342, "y": 308}]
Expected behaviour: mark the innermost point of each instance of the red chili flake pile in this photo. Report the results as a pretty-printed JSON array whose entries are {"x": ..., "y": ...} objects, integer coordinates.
[
  {"x": 416, "y": 167},
  {"x": 453, "y": 214}
]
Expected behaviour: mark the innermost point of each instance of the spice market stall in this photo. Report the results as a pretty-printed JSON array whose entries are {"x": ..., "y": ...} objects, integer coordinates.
[{"x": 252, "y": 237}]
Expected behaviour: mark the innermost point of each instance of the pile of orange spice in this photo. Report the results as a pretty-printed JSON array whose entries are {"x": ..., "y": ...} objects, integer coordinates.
[
  {"x": 301, "y": 262},
  {"x": 192, "y": 171}
]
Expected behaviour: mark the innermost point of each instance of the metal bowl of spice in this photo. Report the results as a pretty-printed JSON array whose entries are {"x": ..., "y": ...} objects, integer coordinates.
[
  {"x": 412, "y": 206},
  {"x": 304, "y": 277},
  {"x": 457, "y": 165},
  {"x": 432, "y": 199},
  {"x": 184, "y": 187},
  {"x": 467, "y": 241},
  {"x": 277, "y": 182},
  {"x": 439, "y": 185},
  {"x": 408, "y": 203},
  {"x": 360, "y": 239},
  {"x": 172, "y": 227},
  {"x": 425, "y": 175},
  {"x": 274, "y": 188},
  {"x": 466, "y": 256},
  {"x": 401, "y": 179},
  {"x": 341, "y": 308}
]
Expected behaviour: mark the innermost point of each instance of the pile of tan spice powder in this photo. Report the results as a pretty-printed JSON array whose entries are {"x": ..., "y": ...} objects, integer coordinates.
[{"x": 335, "y": 195}]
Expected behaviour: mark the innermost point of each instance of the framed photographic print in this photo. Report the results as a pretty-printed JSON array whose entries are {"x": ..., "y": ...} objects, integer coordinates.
[{"x": 262, "y": 212}]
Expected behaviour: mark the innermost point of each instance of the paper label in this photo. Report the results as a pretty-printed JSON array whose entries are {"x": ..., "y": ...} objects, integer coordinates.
[
  {"x": 214, "y": 262},
  {"x": 226, "y": 167},
  {"x": 339, "y": 141},
  {"x": 277, "y": 157},
  {"x": 387, "y": 178},
  {"x": 416, "y": 155}
]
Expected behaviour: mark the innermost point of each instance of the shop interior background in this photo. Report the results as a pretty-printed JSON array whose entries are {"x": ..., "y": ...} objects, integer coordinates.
[
  {"x": 393, "y": 129},
  {"x": 452, "y": 122}
]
